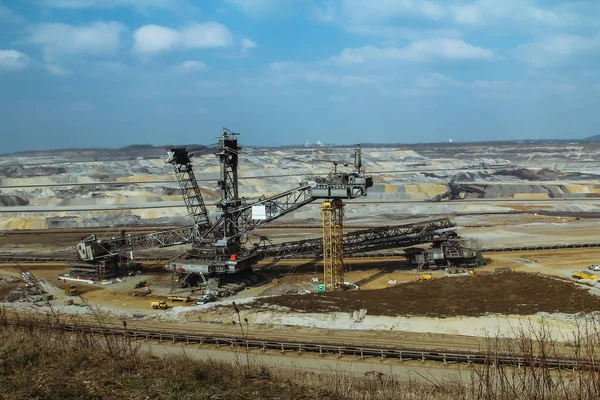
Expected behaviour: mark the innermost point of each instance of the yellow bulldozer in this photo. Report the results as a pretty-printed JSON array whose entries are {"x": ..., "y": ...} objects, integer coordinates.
[{"x": 159, "y": 304}]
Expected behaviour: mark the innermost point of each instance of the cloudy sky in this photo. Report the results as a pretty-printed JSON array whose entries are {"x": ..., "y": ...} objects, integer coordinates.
[{"x": 108, "y": 73}]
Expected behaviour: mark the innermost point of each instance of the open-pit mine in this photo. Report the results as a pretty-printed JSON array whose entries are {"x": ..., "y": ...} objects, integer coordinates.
[{"x": 431, "y": 247}]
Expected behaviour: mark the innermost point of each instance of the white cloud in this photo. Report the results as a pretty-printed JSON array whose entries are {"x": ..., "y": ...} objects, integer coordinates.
[
  {"x": 361, "y": 10},
  {"x": 152, "y": 39},
  {"x": 396, "y": 32},
  {"x": 338, "y": 80},
  {"x": 191, "y": 66},
  {"x": 462, "y": 12},
  {"x": 557, "y": 50},
  {"x": 423, "y": 50},
  {"x": 387, "y": 18},
  {"x": 78, "y": 4},
  {"x": 57, "y": 70},
  {"x": 466, "y": 13},
  {"x": 13, "y": 60},
  {"x": 248, "y": 44},
  {"x": 526, "y": 13},
  {"x": 95, "y": 38},
  {"x": 381, "y": 17}
]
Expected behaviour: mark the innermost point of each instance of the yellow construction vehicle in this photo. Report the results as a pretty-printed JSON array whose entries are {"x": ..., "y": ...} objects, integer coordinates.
[
  {"x": 159, "y": 304},
  {"x": 425, "y": 277},
  {"x": 71, "y": 290},
  {"x": 584, "y": 275},
  {"x": 183, "y": 299}
]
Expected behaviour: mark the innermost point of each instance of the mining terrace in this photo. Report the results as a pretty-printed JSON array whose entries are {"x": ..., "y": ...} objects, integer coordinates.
[{"x": 526, "y": 206}]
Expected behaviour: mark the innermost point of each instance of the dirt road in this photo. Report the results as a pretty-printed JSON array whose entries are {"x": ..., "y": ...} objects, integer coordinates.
[{"x": 427, "y": 372}]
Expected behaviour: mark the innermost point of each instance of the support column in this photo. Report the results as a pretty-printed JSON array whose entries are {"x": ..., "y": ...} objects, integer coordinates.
[{"x": 332, "y": 214}]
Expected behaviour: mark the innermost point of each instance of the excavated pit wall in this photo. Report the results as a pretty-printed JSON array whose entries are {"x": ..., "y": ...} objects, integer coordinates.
[{"x": 117, "y": 183}]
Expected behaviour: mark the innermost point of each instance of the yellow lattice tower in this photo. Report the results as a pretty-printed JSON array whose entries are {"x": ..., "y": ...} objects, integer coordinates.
[{"x": 332, "y": 213}]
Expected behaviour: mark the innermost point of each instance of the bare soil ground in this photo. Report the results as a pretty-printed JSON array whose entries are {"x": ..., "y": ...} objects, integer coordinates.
[{"x": 510, "y": 293}]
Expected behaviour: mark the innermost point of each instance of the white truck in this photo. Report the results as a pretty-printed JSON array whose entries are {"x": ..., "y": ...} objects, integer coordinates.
[
  {"x": 207, "y": 298},
  {"x": 209, "y": 294}
]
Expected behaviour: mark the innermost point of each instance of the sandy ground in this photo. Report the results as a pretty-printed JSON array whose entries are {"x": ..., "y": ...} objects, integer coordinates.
[{"x": 491, "y": 231}]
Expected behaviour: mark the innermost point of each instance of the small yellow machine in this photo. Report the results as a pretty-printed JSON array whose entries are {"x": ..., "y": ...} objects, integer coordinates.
[
  {"x": 159, "y": 304},
  {"x": 584, "y": 275},
  {"x": 425, "y": 277},
  {"x": 182, "y": 299}
]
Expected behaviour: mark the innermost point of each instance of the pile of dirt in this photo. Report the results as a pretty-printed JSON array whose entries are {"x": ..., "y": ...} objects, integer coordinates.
[{"x": 513, "y": 293}]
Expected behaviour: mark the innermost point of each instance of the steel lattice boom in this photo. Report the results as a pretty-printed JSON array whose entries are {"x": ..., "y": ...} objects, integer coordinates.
[
  {"x": 92, "y": 248},
  {"x": 366, "y": 240},
  {"x": 180, "y": 160}
]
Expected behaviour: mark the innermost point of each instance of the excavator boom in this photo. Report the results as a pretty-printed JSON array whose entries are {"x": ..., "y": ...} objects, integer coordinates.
[{"x": 236, "y": 216}]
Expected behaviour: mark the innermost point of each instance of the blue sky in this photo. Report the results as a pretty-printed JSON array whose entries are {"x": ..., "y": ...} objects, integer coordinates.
[{"x": 108, "y": 73}]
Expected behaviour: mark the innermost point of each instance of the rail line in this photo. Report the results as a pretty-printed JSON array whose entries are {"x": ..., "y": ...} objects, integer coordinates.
[
  {"x": 320, "y": 348},
  {"x": 562, "y": 246}
]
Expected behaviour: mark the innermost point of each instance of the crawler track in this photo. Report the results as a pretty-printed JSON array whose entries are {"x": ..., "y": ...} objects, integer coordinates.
[{"x": 321, "y": 348}]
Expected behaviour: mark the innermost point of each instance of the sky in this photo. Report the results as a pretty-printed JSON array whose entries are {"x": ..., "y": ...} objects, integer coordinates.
[{"x": 110, "y": 73}]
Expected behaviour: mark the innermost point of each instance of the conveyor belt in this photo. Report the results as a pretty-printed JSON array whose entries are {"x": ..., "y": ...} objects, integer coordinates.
[{"x": 322, "y": 348}]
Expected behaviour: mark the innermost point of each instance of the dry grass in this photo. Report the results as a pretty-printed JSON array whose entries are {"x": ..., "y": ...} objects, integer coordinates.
[{"x": 37, "y": 363}]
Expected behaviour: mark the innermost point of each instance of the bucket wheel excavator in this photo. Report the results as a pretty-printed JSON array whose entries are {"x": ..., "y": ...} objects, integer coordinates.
[
  {"x": 219, "y": 241},
  {"x": 218, "y": 244}
]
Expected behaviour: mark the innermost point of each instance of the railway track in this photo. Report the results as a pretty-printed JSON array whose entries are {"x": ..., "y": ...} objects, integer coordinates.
[
  {"x": 559, "y": 246},
  {"x": 320, "y": 348}
]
